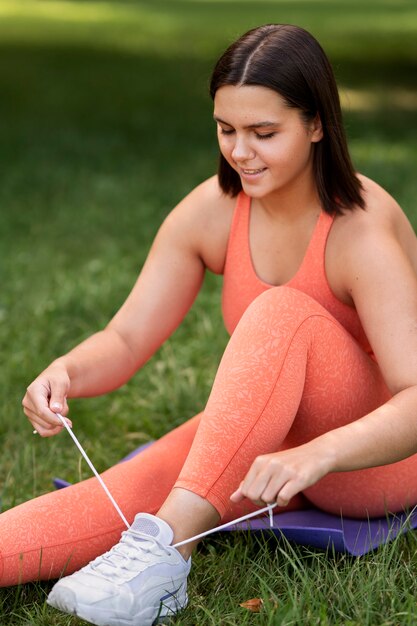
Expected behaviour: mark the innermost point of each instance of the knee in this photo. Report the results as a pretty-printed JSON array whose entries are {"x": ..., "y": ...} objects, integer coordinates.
[{"x": 282, "y": 305}]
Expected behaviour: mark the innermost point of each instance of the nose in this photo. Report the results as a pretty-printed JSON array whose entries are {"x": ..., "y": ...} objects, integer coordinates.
[{"x": 241, "y": 150}]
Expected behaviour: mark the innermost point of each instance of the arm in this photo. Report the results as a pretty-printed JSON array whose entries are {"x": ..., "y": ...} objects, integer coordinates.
[
  {"x": 383, "y": 286},
  {"x": 165, "y": 290},
  {"x": 381, "y": 280}
]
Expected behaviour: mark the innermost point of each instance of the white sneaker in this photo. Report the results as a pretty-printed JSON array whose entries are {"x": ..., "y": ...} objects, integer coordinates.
[{"x": 139, "y": 580}]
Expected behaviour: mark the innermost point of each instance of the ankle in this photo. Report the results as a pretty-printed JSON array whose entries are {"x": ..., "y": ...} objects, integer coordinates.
[
  {"x": 188, "y": 515},
  {"x": 187, "y": 549}
]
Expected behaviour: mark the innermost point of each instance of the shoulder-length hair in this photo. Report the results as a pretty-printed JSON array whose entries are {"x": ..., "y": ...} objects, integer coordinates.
[{"x": 290, "y": 61}]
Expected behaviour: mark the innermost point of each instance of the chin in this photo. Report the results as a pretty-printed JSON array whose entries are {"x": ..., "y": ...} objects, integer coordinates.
[{"x": 254, "y": 191}]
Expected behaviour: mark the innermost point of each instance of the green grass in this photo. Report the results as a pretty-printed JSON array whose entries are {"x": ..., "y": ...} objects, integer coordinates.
[{"x": 105, "y": 124}]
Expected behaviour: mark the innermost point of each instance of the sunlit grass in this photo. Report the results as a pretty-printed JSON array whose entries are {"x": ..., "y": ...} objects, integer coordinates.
[
  {"x": 153, "y": 25},
  {"x": 71, "y": 12}
]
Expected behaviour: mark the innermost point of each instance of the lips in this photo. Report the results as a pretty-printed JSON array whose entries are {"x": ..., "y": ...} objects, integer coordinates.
[
  {"x": 252, "y": 171},
  {"x": 252, "y": 175}
]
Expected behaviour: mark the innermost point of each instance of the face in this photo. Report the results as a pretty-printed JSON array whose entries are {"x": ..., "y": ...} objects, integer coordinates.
[{"x": 266, "y": 142}]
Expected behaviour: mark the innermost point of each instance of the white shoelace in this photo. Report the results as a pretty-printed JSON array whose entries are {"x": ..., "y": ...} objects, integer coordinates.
[
  {"x": 126, "y": 551},
  {"x": 96, "y": 474},
  {"x": 268, "y": 509}
]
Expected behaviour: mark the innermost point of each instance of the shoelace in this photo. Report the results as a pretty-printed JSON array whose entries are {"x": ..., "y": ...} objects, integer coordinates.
[
  {"x": 268, "y": 509},
  {"x": 129, "y": 549},
  {"x": 93, "y": 469}
]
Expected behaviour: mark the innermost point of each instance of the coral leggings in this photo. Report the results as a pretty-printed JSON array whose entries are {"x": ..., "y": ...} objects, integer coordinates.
[{"x": 289, "y": 373}]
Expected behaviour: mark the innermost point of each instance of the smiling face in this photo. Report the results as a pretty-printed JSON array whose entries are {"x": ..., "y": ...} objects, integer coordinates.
[{"x": 268, "y": 143}]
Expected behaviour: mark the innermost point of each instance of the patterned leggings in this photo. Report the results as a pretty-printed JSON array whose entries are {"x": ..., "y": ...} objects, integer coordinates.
[{"x": 290, "y": 373}]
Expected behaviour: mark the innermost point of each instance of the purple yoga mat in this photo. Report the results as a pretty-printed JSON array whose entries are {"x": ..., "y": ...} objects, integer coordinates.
[{"x": 312, "y": 527}]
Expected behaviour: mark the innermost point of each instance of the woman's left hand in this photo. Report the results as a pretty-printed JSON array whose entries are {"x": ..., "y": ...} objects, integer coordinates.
[{"x": 279, "y": 476}]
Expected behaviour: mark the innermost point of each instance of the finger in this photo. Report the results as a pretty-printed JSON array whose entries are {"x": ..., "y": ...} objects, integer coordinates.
[
  {"x": 37, "y": 421},
  {"x": 48, "y": 432},
  {"x": 59, "y": 407},
  {"x": 40, "y": 411},
  {"x": 66, "y": 419},
  {"x": 27, "y": 404},
  {"x": 43, "y": 426},
  {"x": 255, "y": 488},
  {"x": 65, "y": 408},
  {"x": 273, "y": 488},
  {"x": 50, "y": 418},
  {"x": 57, "y": 393},
  {"x": 237, "y": 496},
  {"x": 251, "y": 488},
  {"x": 287, "y": 492},
  {"x": 45, "y": 431}
]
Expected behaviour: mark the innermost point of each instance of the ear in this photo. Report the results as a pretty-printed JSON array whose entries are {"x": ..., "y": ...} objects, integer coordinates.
[{"x": 316, "y": 129}]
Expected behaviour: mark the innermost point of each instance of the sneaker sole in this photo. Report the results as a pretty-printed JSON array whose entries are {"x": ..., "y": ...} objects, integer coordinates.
[{"x": 169, "y": 608}]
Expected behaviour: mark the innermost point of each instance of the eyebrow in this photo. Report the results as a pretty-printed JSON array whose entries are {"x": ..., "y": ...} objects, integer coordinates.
[{"x": 249, "y": 126}]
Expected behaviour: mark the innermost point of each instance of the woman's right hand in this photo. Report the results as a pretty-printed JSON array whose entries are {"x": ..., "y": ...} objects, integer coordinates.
[{"x": 45, "y": 397}]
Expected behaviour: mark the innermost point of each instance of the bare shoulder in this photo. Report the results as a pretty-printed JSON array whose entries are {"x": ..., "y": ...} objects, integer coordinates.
[
  {"x": 375, "y": 270},
  {"x": 203, "y": 219},
  {"x": 381, "y": 210},
  {"x": 382, "y": 217},
  {"x": 358, "y": 235}
]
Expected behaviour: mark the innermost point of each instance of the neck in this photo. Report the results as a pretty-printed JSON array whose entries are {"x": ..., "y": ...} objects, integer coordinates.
[
  {"x": 289, "y": 207},
  {"x": 292, "y": 202}
]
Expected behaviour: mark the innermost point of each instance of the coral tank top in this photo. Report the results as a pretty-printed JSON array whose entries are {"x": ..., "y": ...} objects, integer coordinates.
[{"x": 241, "y": 285}]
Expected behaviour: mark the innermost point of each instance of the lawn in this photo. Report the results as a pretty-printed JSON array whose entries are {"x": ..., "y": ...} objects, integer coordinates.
[{"x": 105, "y": 123}]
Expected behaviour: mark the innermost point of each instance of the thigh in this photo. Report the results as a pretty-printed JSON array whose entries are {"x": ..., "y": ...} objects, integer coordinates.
[{"x": 342, "y": 382}]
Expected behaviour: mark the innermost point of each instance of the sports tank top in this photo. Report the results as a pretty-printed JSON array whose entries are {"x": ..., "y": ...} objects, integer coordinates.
[{"x": 241, "y": 284}]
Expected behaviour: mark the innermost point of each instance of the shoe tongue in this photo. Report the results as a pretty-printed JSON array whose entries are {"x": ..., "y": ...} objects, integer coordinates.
[{"x": 152, "y": 526}]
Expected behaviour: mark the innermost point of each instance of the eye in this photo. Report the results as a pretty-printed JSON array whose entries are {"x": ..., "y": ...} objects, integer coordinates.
[
  {"x": 265, "y": 136},
  {"x": 223, "y": 131}
]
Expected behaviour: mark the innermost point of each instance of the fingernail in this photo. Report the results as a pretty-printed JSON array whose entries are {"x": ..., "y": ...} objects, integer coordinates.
[{"x": 56, "y": 405}]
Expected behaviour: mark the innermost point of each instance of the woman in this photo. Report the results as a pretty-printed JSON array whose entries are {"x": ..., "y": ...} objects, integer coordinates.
[{"x": 316, "y": 394}]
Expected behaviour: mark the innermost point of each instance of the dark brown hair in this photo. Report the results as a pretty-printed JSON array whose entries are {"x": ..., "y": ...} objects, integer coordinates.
[{"x": 290, "y": 61}]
